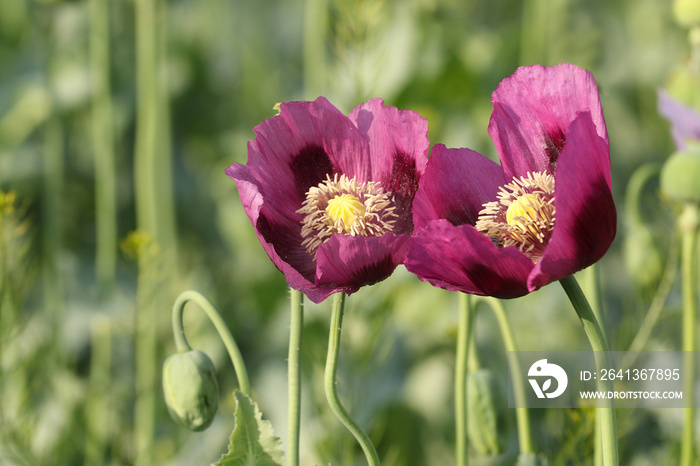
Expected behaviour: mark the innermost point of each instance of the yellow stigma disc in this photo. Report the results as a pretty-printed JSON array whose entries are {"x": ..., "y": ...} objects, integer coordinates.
[
  {"x": 523, "y": 209},
  {"x": 347, "y": 208}
]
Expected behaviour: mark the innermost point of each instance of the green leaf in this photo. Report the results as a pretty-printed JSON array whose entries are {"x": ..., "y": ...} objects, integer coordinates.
[
  {"x": 482, "y": 422},
  {"x": 252, "y": 440}
]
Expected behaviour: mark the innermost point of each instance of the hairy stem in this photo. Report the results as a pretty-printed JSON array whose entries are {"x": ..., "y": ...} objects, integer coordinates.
[
  {"x": 294, "y": 384},
  {"x": 330, "y": 382},
  {"x": 221, "y": 327},
  {"x": 464, "y": 335}
]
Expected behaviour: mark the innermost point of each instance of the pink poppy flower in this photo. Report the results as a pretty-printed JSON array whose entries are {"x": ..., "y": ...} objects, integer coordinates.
[
  {"x": 546, "y": 212},
  {"x": 330, "y": 196}
]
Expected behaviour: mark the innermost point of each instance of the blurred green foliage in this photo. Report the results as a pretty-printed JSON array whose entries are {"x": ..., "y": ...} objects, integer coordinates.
[{"x": 67, "y": 360}]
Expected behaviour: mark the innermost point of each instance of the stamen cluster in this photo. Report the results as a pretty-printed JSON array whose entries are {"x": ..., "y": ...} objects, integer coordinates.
[
  {"x": 523, "y": 216},
  {"x": 343, "y": 205}
]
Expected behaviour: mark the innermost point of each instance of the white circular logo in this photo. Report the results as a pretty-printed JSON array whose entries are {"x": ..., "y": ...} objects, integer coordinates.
[{"x": 542, "y": 369}]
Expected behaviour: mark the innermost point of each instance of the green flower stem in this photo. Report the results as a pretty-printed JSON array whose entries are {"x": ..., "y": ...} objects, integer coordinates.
[
  {"x": 164, "y": 160},
  {"x": 688, "y": 224},
  {"x": 315, "y": 26},
  {"x": 592, "y": 285},
  {"x": 522, "y": 414},
  {"x": 221, "y": 327},
  {"x": 464, "y": 336},
  {"x": 53, "y": 197},
  {"x": 330, "y": 383},
  {"x": 294, "y": 384},
  {"x": 602, "y": 358},
  {"x": 146, "y": 339},
  {"x": 147, "y": 89},
  {"x": 655, "y": 308},
  {"x": 103, "y": 146},
  {"x": 152, "y": 164},
  {"x": 533, "y": 38},
  {"x": 99, "y": 418}
]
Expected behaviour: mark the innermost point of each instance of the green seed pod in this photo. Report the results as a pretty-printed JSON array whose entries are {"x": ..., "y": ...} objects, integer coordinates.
[
  {"x": 644, "y": 259},
  {"x": 684, "y": 85},
  {"x": 190, "y": 389},
  {"x": 680, "y": 175},
  {"x": 642, "y": 247},
  {"x": 687, "y": 12},
  {"x": 482, "y": 416}
]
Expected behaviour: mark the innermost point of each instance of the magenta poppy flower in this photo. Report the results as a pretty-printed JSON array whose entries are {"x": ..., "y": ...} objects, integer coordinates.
[
  {"x": 546, "y": 212},
  {"x": 685, "y": 121},
  {"x": 331, "y": 196}
]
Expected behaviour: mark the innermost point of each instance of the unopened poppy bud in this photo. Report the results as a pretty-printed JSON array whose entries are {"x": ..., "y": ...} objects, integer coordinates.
[
  {"x": 683, "y": 85},
  {"x": 482, "y": 418},
  {"x": 643, "y": 258},
  {"x": 680, "y": 175},
  {"x": 190, "y": 389},
  {"x": 687, "y": 12}
]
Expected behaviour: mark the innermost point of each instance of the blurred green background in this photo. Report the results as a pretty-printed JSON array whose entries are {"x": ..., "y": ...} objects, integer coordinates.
[{"x": 151, "y": 100}]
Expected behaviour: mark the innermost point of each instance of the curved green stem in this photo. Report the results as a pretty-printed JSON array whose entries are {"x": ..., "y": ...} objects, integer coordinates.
[
  {"x": 464, "y": 336},
  {"x": 330, "y": 383},
  {"x": 225, "y": 334},
  {"x": 522, "y": 414},
  {"x": 655, "y": 308},
  {"x": 688, "y": 224},
  {"x": 294, "y": 385},
  {"x": 634, "y": 206},
  {"x": 602, "y": 359}
]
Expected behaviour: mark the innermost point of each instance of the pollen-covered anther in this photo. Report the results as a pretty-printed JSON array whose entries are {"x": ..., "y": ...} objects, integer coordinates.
[
  {"x": 523, "y": 215},
  {"x": 343, "y": 205}
]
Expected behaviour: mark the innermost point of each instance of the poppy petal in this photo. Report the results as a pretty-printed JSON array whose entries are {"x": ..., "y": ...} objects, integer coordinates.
[
  {"x": 532, "y": 110},
  {"x": 349, "y": 262},
  {"x": 586, "y": 219},
  {"x": 459, "y": 258},
  {"x": 399, "y": 146},
  {"x": 455, "y": 186},
  {"x": 253, "y": 204}
]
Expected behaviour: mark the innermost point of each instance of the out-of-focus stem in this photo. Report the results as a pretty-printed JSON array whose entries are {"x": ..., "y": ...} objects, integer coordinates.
[
  {"x": 315, "y": 25},
  {"x": 688, "y": 224},
  {"x": 103, "y": 146},
  {"x": 522, "y": 413},
  {"x": 146, "y": 117},
  {"x": 145, "y": 353},
  {"x": 152, "y": 164},
  {"x": 52, "y": 229},
  {"x": 164, "y": 190},
  {"x": 99, "y": 416}
]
